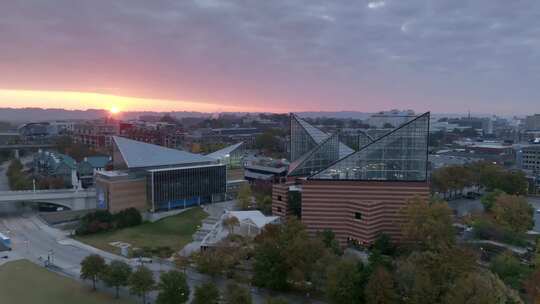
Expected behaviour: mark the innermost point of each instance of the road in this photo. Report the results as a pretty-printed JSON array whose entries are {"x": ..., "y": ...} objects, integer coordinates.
[{"x": 37, "y": 242}]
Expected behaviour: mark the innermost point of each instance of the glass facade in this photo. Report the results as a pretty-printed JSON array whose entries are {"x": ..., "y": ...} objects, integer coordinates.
[
  {"x": 185, "y": 187},
  {"x": 317, "y": 159},
  {"x": 301, "y": 141},
  {"x": 400, "y": 155}
]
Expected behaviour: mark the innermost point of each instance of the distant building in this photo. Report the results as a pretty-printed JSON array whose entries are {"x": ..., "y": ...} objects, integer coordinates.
[
  {"x": 89, "y": 167},
  {"x": 395, "y": 118},
  {"x": 265, "y": 170},
  {"x": 356, "y": 194},
  {"x": 51, "y": 164},
  {"x": 96, "y": 134},
  {"x": 532, "y": 122},
  {"x": 530, "y": 159}
]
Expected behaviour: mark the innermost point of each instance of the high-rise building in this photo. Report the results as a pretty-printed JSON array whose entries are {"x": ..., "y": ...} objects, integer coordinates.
[
  {"x": 532, "y": 122},
  {"x": 356, "y": 194}
]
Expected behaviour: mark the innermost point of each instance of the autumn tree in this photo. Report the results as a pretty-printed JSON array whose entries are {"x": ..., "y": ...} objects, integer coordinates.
[
  {"x": 509, "y": 269},
  {"x": 513, "y": 213},
  {"x": 230, "y": 222},
  {"x": 480, "y": 286},
  {"x": 92, "y": 268},
  {"x": 244, "y": 196},
  {"x": 380, "y": 288},
  {"x": 532, "y": 286},
  {"x": 428, "y": 225}
]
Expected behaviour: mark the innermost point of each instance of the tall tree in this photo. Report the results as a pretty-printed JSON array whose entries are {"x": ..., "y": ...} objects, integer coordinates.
[
  {"x": 480, "y": 287},
  {"x": 231, "y": 222},
  {"x": 428, "y": 225},
  {"x": 513, "y": 212},
  {"x": 380, "y": 288},
  {"x": 116, "y": 274},
  {"x": 181, "y": 262},
  {"x": 345, "y": 282},
  {"x": 509, "y": 269},
  {"x": 92, "y": 267},
  {"x": 532, "y": 286},
  {"x": 244, "y": 196},
  {"x": 173, "y": 288},
  {"x": 141, "y": 282},
  {"x": 207, "y": 293}
]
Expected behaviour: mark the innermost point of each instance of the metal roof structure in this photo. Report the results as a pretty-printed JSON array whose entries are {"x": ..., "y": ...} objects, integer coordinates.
[{"x": 138, "y": 154}]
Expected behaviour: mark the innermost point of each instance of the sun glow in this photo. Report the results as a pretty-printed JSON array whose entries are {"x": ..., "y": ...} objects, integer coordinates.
[
  {"x": 86, "y": 100},
  {"x": 114, "y": 110}
]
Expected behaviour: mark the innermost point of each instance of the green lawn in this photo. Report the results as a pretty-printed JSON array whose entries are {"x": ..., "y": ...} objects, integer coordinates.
[
  {"x": 22, "y": 282},
  {"x": 175, "y": 232}
]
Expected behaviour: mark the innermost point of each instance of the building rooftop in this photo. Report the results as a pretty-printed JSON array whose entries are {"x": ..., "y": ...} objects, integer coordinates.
[{"x": 138, "y": 154}]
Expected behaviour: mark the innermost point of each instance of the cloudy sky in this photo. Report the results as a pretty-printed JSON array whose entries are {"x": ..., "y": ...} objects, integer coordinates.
[{"x": 443, "y": 56}]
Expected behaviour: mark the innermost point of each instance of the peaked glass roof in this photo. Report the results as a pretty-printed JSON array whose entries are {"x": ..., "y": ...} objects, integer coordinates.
[
  {"x": 138, "y": 154},
  {"x": 305, "y": 137},
  {"x": 220, "y": 154},
  {"x": 317, "y": 159},
  {"x": 400, "y": 155}
]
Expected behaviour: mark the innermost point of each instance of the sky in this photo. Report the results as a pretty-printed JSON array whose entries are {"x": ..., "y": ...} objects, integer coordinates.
[{"x": 445, "y": 56}]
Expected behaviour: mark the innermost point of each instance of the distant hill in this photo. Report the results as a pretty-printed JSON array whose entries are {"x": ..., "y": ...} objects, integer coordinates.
[{"x": 23, "y": 115}]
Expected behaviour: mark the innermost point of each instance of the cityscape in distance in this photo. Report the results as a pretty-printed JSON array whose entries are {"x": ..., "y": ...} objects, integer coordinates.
[{"x": 232, "y": 152}]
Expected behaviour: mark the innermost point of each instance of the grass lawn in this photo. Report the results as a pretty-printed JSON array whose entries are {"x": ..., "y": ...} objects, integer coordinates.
[
  {"x": 174, "y": 231},
  {"x": 25, "y": 283}
]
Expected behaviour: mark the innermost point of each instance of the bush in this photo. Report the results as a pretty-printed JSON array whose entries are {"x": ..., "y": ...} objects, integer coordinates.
[
  {"x": 127, "y": 218},
  {"x": 103, "y": 220}
]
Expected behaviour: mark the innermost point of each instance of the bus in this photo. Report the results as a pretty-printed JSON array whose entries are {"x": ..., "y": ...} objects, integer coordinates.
[{"x": 6, "y": 241}]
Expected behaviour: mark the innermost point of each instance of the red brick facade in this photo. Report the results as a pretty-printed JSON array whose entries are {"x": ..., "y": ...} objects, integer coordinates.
[{"x": 353, "y": 210}]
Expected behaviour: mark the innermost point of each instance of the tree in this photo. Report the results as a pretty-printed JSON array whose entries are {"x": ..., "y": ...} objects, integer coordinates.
[
  {"x": 488, "y": 200},
  {"x": 380, "y": 288},
  {"x": 116, "y": 274},
  {"x": 513, "y": 212},
  {"x": 230, "y": 222},
  {"x": 345, "y": 282},
  {"x": 244, "y": 196},
  {"x": 383, "y": 244},
  {"x": 141, "y": 282},
  {"x": 235, "y": 294},
  {"x": 480, "y": 287},
  {"x": 276, "y": 301},
  {"x": 91, "y": 268},
  {"x": 428, "y": 225},
  {"x": 210, "y": 262},
  {"x": 425, "y": 277},
  {"x": 532, "y": 286},
  {"x": 328, "y": 237},
  {"x": 207, "y": 293},
  {"x": 285, "y": 254},
  {"x": 173, "y": 288},
  {"x": 509, "y": 269}
]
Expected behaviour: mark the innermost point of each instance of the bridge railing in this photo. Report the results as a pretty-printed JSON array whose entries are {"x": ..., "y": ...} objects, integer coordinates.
[{"x": 10, "y": 192}]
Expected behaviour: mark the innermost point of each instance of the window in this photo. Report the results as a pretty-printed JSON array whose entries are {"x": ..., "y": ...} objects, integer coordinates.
[
  {"x": 357, "y": 215},
  {"x": 279, "y": 198},
  {"x": 278, "y": 209}
]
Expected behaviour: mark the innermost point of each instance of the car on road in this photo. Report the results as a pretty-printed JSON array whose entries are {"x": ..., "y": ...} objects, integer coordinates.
[{"x": 538, "y": 210}]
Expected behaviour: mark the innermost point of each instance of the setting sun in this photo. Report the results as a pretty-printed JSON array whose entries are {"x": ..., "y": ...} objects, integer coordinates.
[{"x": 114, "y": 110}]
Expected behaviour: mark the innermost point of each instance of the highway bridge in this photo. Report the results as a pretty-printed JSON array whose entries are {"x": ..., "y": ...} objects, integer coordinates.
[{"x": 70, "y": 198}]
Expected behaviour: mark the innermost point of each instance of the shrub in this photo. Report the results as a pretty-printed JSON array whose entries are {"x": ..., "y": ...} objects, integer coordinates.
[{"x": 127, "y": 218}]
